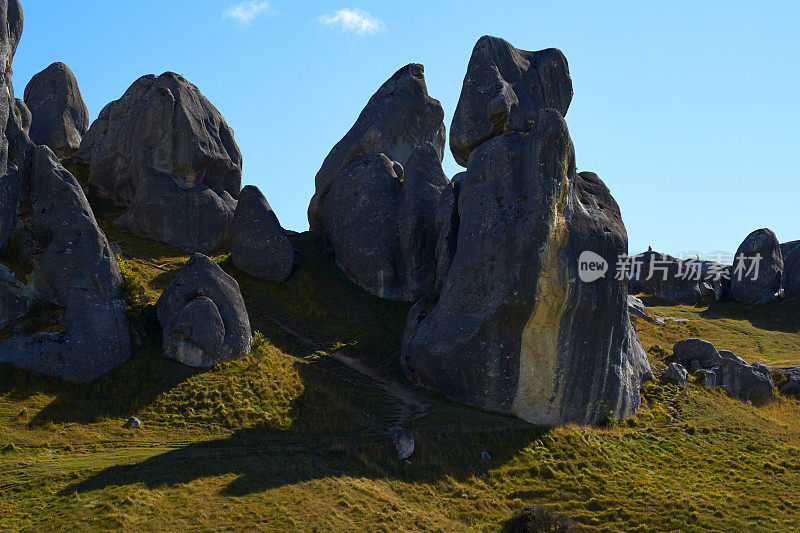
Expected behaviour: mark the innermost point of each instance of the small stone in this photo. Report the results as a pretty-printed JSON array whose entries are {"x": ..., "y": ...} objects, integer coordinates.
[
  {"x": 403, "y": 442},
  {"x": 133, "y": 423}
]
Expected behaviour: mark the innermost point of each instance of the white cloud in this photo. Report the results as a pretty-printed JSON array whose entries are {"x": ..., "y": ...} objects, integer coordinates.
[
  {"x": 356, "y": 20},
  {"x": 245, "y": 12}
]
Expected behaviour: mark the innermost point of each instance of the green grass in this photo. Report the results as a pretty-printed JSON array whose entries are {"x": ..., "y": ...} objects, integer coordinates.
[{"x": 286, "y": 438}]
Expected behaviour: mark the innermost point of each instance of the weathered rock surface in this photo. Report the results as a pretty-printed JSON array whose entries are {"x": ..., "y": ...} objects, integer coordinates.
[
  {"x": 167, "y": 155},
  {"x": 637, "y": 308},
  {"x": 727, "y": 354},
  {"x": 447, "y": 222},
  {"x": 381, "y": 221},
  {"x": 25, "y": 115},
  {"x": 59, "y": 115},
  {"x": 788, "y": 247},
  {"x": 259, "y": 245},
  {"x": 751, "y": 383},
  {"x": 678, "y": 280},
  {"x": 792, "y": 385},
  {"x": 398, "y": 118},
  {"x": 73, "y": 268},
  {"x": 503, "y": 90},
  {"x": 676, "y": 373},
  {"x": 688, "y": 350},
  {"x": 204, "y": 317},
  {"x": 403, "y": 442},
  {"x": 514, "y": 329},
  {"x": 757, "y": 269},
  {"x": 15, "y": 298}
]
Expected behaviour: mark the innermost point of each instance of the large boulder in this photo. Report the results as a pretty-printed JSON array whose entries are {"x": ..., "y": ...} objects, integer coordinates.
[
  {"x": 204, "y": 316},
  {"x": 757, "y": 269},
  {"x": 398, "y": 118},
  {"x": 72, "y": 269},
  {"x": 60, "y": 117},
  {"x": 677, "y": 280},
  {"x": 751, "y": 383},
  {"x": 381, "y": 221},
  {"x": 515, "y": 329},
  {"x": 503, "y": 90},
  {"x": 688, "y": 350},
  {"x": 791, "y": 272},
  {"x": 676, "y": 373},
  {"x": 167, "y": 155},
  {"x": 259, "y": 245}
]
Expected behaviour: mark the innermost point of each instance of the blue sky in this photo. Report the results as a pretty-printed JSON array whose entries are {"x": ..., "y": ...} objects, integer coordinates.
[{"x": 687, "y": 110}]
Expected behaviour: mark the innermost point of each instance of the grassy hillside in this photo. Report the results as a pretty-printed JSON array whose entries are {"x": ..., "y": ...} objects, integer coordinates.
[{"x": 289, "y": 438}]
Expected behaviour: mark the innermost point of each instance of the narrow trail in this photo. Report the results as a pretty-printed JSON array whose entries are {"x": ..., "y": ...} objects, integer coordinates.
[{"x": 408, "y": 404}]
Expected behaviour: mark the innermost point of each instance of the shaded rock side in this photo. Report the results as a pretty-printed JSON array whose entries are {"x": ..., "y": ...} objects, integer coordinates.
[
  {"x": 678, "y": 280},
  {"x": 203, "y": 316},
  {"x": 72, "y": 268},
  {"x": 381, "y": 221},
  {"x": 398, "y": 118},
  {"x": 751, "y": 383},
  {"x": 59, "y": 115},
  {"x": 503, "y": 90},
  {"x": 757, "y": 269},
  {"x": 165, "y": 153},
  {"x": 514, "y": 329},
  {"x": 25, "y": 115},
  {"x": 791, "y": 272},
  {"x": 259, "y": 245}
]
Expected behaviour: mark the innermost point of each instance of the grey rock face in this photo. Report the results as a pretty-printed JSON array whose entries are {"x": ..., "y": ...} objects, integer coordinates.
[
  {"x": 792, "y": 385},
  {"x": 676, "y": 373},
  {"x": 447, "y": 222},
  {"x": 788, "y": 247},
  {"x": 403, "y": 442},
  {"x": 398, "y": 118},
  {"x": 514, "y": 330},
  {"x": 751, "y": 383},
  {"x": 73, "y": 268},
  {"x": 259, "y": 245},
  {"x": 203, "y": 315},
  {"x": 727, "y": 354},
  {"x": 15, "y": 298},
  {"x": 382, "y": 225},
  {"x": 168, "y": 156},
  {"x": 503, "y": 90},
  {"x": 710, "y": 379},
  {"x": 132, "y": 423},
  {"x": 637, "y": 308},
  {"x": 690, "y": 349},
  {"x": 678, "y": 280},
  {"x": 754, "y": 281},
  {"x": 60, "y": 118},
  {"x": 791, "y": 272},
  {"x": 25, "y": 115}
]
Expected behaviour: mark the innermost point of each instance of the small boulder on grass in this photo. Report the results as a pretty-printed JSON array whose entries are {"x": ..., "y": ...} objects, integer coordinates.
[
  {"x": 133, "y": 423},
  {"x": 676, "y": 374},
  {"x": 403, "y": 442}
]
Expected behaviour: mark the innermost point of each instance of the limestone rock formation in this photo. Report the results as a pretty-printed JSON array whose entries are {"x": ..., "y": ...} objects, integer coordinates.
[
  {"x": 514, "y": 329},
  {"x": 503, "y": 90},
  {"x": 259, "y": 245},
  {"x": 72, "y": 269},
  {"x": 757, "y": 269},
  {"x": 15, "y": 298},
  {"x": 398, "y": 118},
  {"x": 677, "y": 280},
  {"x": 204, "y": 316},
  {"x": 167, "y": 155},
  {"x": 751, "y": 383},
  {"x": 60, "y": 118},
  {"x": 381, "y": 220},
  {"x": 791, "y": 272}
]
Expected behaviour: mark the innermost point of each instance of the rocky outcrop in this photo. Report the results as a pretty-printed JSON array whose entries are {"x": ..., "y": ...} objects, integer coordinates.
[
  {"x": 59, "y": 115},
  {"x": 203, "y": 315},
  {"x": 73, "y": 269},
  {"x": 676, "y": 373},
  {"x": 677, "y": 280},
  {"x": 750, "y": 383},
  {"x": 788, "y": 247},
  {"x": 503, "y": 90},
  {"x": 791, "y": 272},
  {"x": 757, "y": 269},
  {"x": 398, "y": 118},
  {"x": 515, "y": 330},
  {"x": 165, "y": 153},
  {"x": 381, "y": 221},
  {"x": 688, "y": 350},
  {"x": 259, "y": 245},
  {"x": 792, "y": 384}
]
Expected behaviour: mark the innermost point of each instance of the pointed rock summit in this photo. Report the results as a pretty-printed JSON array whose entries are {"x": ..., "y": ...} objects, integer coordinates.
[
  {"x": 164, "y": 153},
  {"x": 59, "y": 115}
]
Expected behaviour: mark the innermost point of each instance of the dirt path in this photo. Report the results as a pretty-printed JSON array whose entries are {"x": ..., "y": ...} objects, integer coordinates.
[{"x": 409, "y": 405}]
